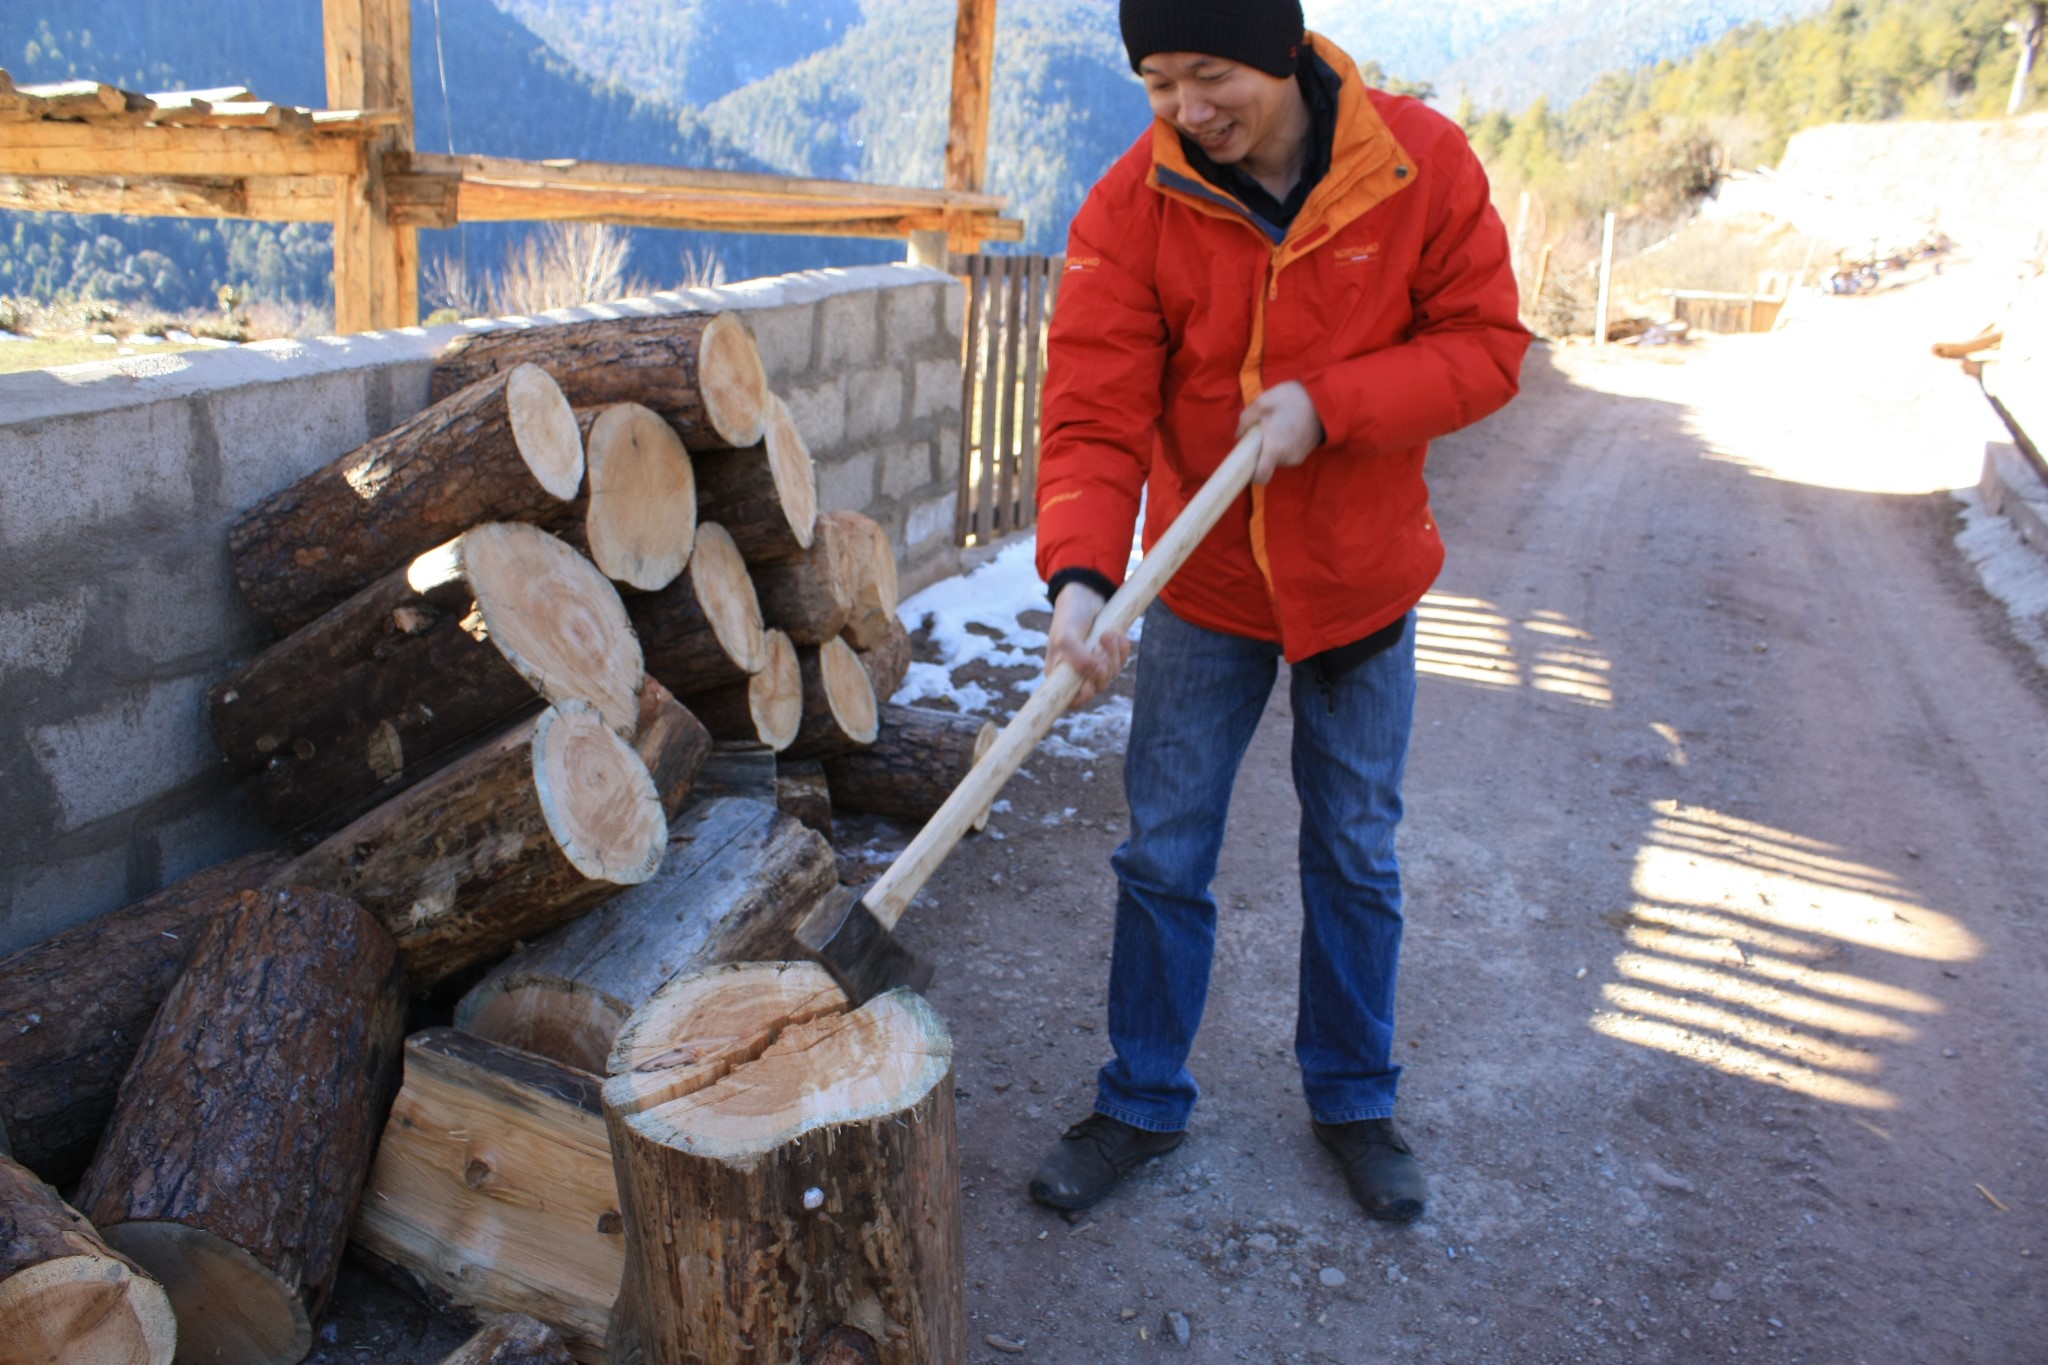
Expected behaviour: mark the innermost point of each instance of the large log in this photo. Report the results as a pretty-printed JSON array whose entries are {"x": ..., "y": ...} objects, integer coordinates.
[
  {"x": 810, "y": 598},
  {"x": 505, "y": 450},
  {"x": 702, "y": 631},
  {"x": 527, "y": 832},
  {"x": 919, "y": 756},
  {"x": 245, "y": 1127},
  {"x": 765, "y": 708},
  {"x": 801, "y": 791},
  {"x": 738, "y": 768},
  {"x": 672, "y": 743},
  {"x": 738, "y": 877},
  {"x": 639, "y": 520},
  {"x": 700, "y": 371},
  {"x": 838, "y": 702},
  {"x": 887, "y": 660},
  {"x": 765, "y": 494},
  {"x": 493, "y": 1186},
  {"x": 66, "y": 1297},
  {"x": 74, "y": 1008},
  {"x": 787, "y": 1168},
  {"x": 874, "y": 582},
  {"x": 512, "y": 1339},
  {"x": 396, "y": 682}
]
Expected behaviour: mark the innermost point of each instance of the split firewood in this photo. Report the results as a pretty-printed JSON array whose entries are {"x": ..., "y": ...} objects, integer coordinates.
[
  {"x": 887, "y": 660},
  {"x": 700, "y": 371},
  {"x": 404, "y": 676},
  {"x": 786, "y": 1167},
  {"x": 65, "y": 1295},
  {"x": 638, "y": 520},
  {"x": 810, "y": 598},
  {"x": 765, "y": 494},
  {"x": 672, "y": 743},
  {"x": 838, "y": 703},
  {"x": 765, "y": 708},
  {"x": 919, "y": 756},
  {"x": 525, "y": 833},
  {"x": 493, "y": 1187},
  {"x": 874, "y": 581},
  {"x": 512, "y": 1339},
  {"x": 738, "y": 877},
  {"x": 801, "y": 791},
  {"x": 245, "y": 1126},
  {"x": 702, "y": 631},
  {"x": 74, "y": 1008},
  {"x": 504, "y": 450}
]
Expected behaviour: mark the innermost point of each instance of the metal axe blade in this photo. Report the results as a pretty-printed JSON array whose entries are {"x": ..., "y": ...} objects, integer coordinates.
[{"x": 849, "y": 941}]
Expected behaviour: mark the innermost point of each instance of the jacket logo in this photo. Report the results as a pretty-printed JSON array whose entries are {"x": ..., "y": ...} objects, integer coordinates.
[
  {"x": 1080, "y": 263},
  {"x": 1358, "y": 255}
]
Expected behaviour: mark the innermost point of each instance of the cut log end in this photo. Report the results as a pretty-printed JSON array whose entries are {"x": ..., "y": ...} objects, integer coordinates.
[
  {"x": 85, "y": 1308},
  {"x": 642, "y": 517},
  {"x": 555, "y": 618},
  {"x": 850, "y": 692},
  {"x": 601, "y": 804},
  {"x": 544, "y": 430},
  {"x": 789, "y": 460},
  {"x": 553, "y": 1019},
  {"x": 731, "y": 381},
  {"x": 775, "y": 695},
  {"x": 727, "y": 597},
  {"x": 229, "y": 1307}
]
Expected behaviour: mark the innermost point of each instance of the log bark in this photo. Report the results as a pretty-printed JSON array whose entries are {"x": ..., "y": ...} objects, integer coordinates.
[
  {"x": 838, "y": 703},
  {"x": 639, "y": 520},
  {"x": 738, "y": 768},
  {"x": 765, "y": 708},
  {"x": 874, "y": 583},
  {"x": 700, "y": 371},
  {"x": 529, "y": 831},
  {"x": 245, "y": 1127},
  {"x": 787, "y": 1168},
  {"x": 405, "y": 676},
  {"x": 493, "y": 1186},
  {"x": 919, "y": 756},
  {"x": 738, "y": 877},
  {"x": 801, "y": 791},
  {"x": 512, "y": 1339},
  {"x": 74, "y": 1008},
  {"x": 809, "y": 598},
  {"x": 65, "y": 1295},
  {"x": 702, "y": 631},
  {"x": 887, "y": 660},
  {"x": 672, "y": 743},
  {"x": 506, "y": 449},
  {"x": 766, "y": 495}
]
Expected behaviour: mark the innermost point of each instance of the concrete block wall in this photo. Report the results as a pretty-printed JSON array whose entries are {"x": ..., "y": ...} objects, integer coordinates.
[{"x": 118, "y": 481}]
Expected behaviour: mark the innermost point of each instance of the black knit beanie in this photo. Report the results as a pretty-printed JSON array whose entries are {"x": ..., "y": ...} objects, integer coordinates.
[{"x": 1262, "y": 33}]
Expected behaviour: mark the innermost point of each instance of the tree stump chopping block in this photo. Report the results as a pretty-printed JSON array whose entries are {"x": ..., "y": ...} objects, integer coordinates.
[
  {"x": 527, "y": 832},
  {"x": 506, "y": 449},
  {"x": 512, "y": 1339},
  {"x": 738, "y": 877},
  {"x": 788, "y": 1169},
  {"x": 765, "y": 708},
  {"x": 701, "y": 371},
  {"x": 839, "y": 712},
  {"x": 66, "y": 1297},
  {"x": 919, "y": 756},
  {"x": 702, "y": 631},
  {"x": 74, "y": 1009},
  {"x": 766, "y": 495},
  {"x": 245, "y": 1127},
  {"x": 394, "y": 683}
]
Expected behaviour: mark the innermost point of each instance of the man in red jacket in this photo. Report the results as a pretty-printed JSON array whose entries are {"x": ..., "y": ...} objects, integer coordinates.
[{"x": 1288, "y": 248}]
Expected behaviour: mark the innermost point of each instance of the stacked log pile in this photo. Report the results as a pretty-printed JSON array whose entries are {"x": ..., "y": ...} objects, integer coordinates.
[{"x": 570, "y": 676}]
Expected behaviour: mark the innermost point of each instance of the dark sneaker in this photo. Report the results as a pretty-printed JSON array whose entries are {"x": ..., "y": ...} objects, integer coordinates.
[
  {"x": 1092, "y": 1156},
  {"x": 1384, "y": 1176}
]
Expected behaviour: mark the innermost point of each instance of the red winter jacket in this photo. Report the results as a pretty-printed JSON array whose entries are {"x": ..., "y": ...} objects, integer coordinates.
[{"x": 1390, "y": 299}]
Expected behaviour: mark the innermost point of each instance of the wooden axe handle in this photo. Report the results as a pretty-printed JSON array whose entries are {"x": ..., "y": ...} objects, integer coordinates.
[{"x": 893, "y": 891}]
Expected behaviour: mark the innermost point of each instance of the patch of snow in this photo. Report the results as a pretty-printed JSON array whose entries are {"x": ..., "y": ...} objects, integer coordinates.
[{"x": 2011, "y": 570}]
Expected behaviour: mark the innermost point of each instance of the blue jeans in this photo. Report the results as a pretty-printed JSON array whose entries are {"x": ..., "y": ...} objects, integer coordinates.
[{"x": 1199, "y": 698}]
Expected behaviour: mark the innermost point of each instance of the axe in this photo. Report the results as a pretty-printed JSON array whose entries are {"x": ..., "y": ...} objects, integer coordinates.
[{"x": 852, "y": 936}]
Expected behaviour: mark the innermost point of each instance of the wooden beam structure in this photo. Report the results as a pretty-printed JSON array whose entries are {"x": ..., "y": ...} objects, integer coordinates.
[
  {"x": 376, "y": 260},
  {"x": 974, "y": 61}
]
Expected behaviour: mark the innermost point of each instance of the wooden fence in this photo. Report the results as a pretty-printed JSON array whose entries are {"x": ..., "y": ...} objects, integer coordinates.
[{"x": 1009, "y": 307}]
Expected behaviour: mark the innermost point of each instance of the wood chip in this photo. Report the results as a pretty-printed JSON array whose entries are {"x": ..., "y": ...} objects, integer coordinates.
[
  {"x": 1004, "y": 1344},
  {"x": 1994, "y": 1200}
]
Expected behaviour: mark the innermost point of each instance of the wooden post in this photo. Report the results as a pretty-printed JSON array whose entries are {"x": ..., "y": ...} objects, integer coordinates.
[
  {"x": 2029, "y": 31},
  {"x": 1606, "y": 280},
  {"x": 974, "y": 61},
  {"x": 369, "y": 66}
]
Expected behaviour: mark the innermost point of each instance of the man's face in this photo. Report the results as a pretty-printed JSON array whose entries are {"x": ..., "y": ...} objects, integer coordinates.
[{"x": 1230, "y": 109}]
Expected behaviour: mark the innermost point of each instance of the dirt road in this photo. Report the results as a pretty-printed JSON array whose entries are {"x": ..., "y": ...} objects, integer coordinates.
[{"x": 1723, "y": 1001}]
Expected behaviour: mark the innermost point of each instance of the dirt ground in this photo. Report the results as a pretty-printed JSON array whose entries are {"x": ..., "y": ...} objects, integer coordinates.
[{"x": 1721, "y": 1009}]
